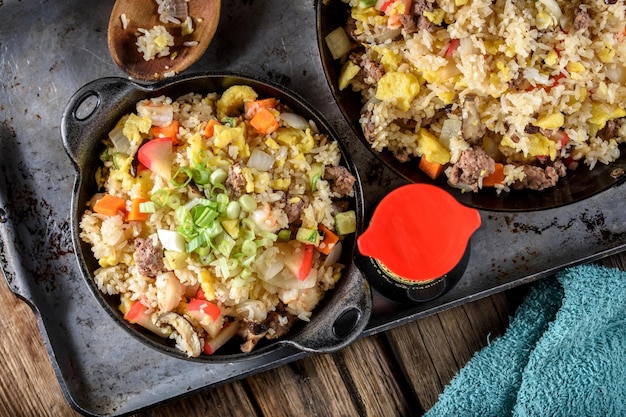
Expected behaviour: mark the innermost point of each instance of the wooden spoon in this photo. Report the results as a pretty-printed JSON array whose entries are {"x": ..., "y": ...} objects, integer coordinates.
[{"x": 205, "y": 15}]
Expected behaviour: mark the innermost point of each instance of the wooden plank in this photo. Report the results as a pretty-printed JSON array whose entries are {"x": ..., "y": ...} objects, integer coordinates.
[
  {"x": 312, "y": 386},
  {"x": 223, "y": 401},
  {"x": 28, "y": 386},
  {"x": 433, "y": 349},
  {"x": 377, "y": 382}
]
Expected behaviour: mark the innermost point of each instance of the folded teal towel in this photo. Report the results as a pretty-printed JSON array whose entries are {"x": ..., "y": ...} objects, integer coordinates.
[{"x": 564, "y": 354}]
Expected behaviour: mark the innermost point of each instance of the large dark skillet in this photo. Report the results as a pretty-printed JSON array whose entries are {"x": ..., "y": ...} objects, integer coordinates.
[
  {"x": 93, "y": 111},
  {"x": 578, "y": 185}
]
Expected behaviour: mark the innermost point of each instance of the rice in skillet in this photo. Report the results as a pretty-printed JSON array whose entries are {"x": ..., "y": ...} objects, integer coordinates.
[
  {"x": 503, "y": 93},
  {"x": 219, "y": 215}
]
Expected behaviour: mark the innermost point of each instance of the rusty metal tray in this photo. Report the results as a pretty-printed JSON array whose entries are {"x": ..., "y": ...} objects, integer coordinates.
[{"x": 48, "y": 50}]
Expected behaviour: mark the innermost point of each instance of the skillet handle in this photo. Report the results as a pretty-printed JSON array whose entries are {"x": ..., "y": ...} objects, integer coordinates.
[
  {"x": 89, "y": 108},
  {"x": 346, "y": 318}
]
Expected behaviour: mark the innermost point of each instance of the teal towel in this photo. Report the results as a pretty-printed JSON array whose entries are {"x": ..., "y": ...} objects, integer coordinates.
[{"x": 563, "y": 354}]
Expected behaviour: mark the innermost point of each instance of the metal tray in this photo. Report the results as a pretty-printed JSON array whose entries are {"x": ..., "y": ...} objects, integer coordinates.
[{"x": 48, "y": 50}]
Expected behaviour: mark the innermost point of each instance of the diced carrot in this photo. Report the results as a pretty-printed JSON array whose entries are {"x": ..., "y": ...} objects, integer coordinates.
[
  {"x": 169, "y": 131},
  {"x": 251, "y": 107},
  {"x": 329, "y": 241},
  {"x": 135, "y": 213},
  {"x": 264, "y": 121},
  {"x": 109, "y": 205},
  {"x": 496, "y": 177},
  {"x": 200, "y": 294},
  {"x": 209, "y": 129},
  {"x": 136, "y": 312},
  {"x": 432, "y": 169}
]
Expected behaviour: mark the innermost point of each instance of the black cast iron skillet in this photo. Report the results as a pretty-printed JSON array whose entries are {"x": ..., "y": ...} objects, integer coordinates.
[
  {"x": 576, "y": 186},
  {"x": 95, "y": 109}
]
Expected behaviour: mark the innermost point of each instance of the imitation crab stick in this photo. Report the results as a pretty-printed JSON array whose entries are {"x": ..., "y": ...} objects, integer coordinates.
[
  {"x": 227, "y": 332},
  {"x": 109, "y": 205},
  {"x": 496, "y": 177},
  {"x": 432, "y": 169},
  {"x": 264, "y": 121}
]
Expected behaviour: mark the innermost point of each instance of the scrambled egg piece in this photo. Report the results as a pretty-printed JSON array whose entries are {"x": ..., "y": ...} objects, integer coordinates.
[
  {"x": 233, "y": 100},
  {"x": 429, "y": 146},
  {"x": 399, "y": 86}
]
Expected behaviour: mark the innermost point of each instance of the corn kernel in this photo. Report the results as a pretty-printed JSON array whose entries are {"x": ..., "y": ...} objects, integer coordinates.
[
  {"x": 575, "y": 67},
  {"x": 606, "y": 53},
  {"x": 550, "y": 121},
  {"x": 436, "y": 16},
  {"x": 271, "y": 143},
  {"x": 552, "y": 58},
  {"x": 282, "y": 184},
  {"x": 446, "y": 96},
  {"x": 543, "y": 21}
]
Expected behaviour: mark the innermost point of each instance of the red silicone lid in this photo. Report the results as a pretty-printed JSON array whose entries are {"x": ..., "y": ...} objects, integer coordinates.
[{"x": 419, "y": 231}]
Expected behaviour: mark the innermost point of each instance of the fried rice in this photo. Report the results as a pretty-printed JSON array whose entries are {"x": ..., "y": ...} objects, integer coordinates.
[
  {"x": 219, "y": 216},
  {"x": 505, "y": 94}
]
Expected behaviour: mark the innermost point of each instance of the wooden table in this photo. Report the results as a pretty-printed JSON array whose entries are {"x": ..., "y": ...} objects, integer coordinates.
[{"x": 397, "y": 373}]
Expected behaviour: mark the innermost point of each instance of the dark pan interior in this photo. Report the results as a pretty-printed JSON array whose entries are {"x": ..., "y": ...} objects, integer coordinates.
[
  {"x": 82, "y": 140},
  {"x": 576, "y": 186}
]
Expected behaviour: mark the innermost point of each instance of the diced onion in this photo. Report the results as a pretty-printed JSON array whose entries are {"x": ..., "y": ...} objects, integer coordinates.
[
  {"x": 260, "y": 160},
  {"x": 120, "y": 142},
  {"x": 171, "y": 240},
  {"x": 338, "y": 43},
  {"x": 294, "y": 120},
  {"x": 552, "y": 7}
]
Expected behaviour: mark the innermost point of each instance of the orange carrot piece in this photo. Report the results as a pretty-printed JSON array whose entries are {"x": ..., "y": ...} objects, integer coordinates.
[
  {"x": 209, "y": 129},
  {"x": 135, "y": 214},
  {"x": 264, "y": 121},
  {"x": 329, "y": 241},
  {"x": 169, "y": 131},
  {"x": 109, "y": 205},
  {"x": 496, "y": 177},
  {"x": 251, "y": 107},
  {"x": 432, "y": 169}
]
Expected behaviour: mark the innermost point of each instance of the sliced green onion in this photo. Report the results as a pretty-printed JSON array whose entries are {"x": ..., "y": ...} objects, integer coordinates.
[
  {"x": 218, "y": 176},
  {"x": 247, "y": 202},
  {"x": 223, "y": 266},
  {"x": 284, "y": 235},
  {"x": 195, "y": 243},
  {"x": 147, "y": 207},
  {"x": 248, "y": 248},
  {"x": 225, "y": 244},
  {"x": 204, "y": 216},
  {"x": 173, "y": 201},
  {"x": 214, "y": 230},
  {"x": 233, "y": 209},
  {"x": 201, "y": 176},
  {"x": 160, "y": 197},
  {"x": 182, "y": 177}
]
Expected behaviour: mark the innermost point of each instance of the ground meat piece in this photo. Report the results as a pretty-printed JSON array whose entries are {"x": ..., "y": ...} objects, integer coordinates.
[
  {"x": 472, "y": 165},
  {"x": 148, "y": 258},
  {"x": 581, "y": 20},
  {"x": 519, "y": 83},
  {"x": 340, "y": 179},
  {"x": 609, "y": 131},
  {"x": 351, "y": 28},
  {"x": 279, "y": 323},
  {"x": 402, "y": 155},
  {"x": 369, "y": 127},
  {"x": 339, "y": 206},
  {"x": 409, "y": 23},
  {"x": 421, "y": 21},
  {"x": 531, "y": 129},
  {"x": 235, "y": 182},
  {"x": 373, "y": 71},
  {"x": 294, "y": 205},
  {"x": 538, "y": 178}
]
